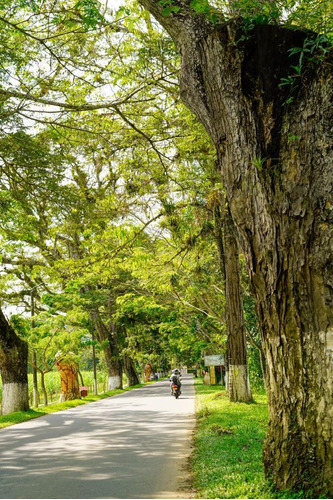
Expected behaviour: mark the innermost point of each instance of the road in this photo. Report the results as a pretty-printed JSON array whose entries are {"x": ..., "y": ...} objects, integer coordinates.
[{"x": 134, "y": 445}]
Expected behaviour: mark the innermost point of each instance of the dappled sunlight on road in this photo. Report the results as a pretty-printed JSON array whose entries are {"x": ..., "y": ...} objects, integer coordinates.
[{"x": 127, "y": 446}]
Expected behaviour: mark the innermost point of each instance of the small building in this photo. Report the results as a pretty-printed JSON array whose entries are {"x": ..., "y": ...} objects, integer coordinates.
[{"x": 216, "y": 369}]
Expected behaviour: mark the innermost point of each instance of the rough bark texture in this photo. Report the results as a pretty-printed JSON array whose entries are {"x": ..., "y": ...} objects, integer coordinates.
[
  {"x": 277, "y": 173},
  {"x": 238, "y": 381},
  {"x": 14, "y": 369},
  {"x": 108, "y": 338},
  {"x": 237, "y": 366},
  {"x": 130, "y": 371}
]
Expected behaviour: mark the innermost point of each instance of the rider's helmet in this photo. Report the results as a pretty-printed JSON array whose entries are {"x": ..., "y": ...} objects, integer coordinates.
[{"x": 175, "y": 371}]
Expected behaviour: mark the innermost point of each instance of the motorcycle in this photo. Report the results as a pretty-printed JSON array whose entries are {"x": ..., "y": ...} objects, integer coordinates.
[{"x": 175, "y": 391}]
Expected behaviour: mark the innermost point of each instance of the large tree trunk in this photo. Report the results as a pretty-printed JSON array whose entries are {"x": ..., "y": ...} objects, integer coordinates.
[
  {"x": 276, "y": 170},
  {"x": 238, "y": 373},
  {"x": 130, "y": 371},
  {"x": 109, "y": 341},
  {"x": 14, "y": 369}
]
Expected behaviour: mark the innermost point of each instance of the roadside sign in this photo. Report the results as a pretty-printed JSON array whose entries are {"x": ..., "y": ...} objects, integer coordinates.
[{"x": 214, "y": 360}]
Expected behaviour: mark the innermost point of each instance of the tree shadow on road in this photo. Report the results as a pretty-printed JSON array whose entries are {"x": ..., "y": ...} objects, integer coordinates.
[{"x": 114, "y": 448}]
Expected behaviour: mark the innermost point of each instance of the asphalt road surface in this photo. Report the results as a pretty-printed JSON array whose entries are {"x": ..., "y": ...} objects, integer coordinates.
[{"x": 134, "y": 445}]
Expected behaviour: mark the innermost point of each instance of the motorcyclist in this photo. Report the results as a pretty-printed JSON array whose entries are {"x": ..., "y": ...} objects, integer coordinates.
[{"x": 175, "y": 379}]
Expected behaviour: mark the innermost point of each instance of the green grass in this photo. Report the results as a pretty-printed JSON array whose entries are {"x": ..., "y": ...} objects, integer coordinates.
[
  {"x": 22, "y": 416},
  {"x": 53, "y": 384},
  {"x": 227, "y": 458}
]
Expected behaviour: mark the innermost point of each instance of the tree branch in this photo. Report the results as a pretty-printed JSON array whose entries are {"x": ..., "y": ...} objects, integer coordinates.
[{"x": 22, "y": 261}]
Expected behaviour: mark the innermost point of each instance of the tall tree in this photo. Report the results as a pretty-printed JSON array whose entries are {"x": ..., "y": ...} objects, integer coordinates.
[
  {"x": 228, "y": 253},
  {"x": 238, "y": 371},
  {"x": 272, "y": 144}
]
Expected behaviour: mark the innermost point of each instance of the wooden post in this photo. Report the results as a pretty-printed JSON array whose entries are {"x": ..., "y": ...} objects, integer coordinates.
[{"x": 212, "y": 375}]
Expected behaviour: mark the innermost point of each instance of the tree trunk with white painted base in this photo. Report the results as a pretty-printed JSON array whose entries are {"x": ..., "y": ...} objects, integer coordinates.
[
  {"x": 115, "y": 374},
  {"x": 238, "y": 381},
  {"x": 14, "y": 369},
  {"x": 276, "y": 167},
  {"x": 109, "y": 340}
]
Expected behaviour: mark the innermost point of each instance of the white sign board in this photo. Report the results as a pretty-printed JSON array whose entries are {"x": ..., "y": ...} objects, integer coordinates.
[{"x": 214, "y": 360}]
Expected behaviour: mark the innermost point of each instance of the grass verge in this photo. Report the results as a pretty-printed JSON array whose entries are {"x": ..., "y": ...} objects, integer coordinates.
[
  {"x": 227, "y": 461},
  {"x": 22, "y": 416}
]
